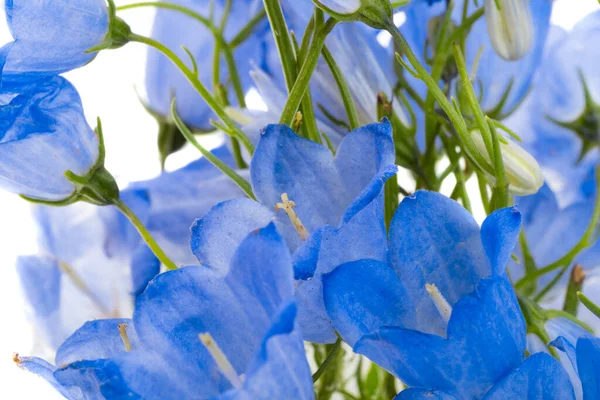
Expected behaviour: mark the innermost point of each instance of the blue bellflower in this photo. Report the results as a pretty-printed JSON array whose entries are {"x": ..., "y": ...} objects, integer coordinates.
[
  {"x": 174, "y": 29},
  {"x": 92, "y": 262},
  {"x": 51, "y": 37},
  {"x": 43, "y": 134},
  {"x": 315, "y": 199},
  {"x": 439, "y": 312},
  {"x": 196, "y": 334}
]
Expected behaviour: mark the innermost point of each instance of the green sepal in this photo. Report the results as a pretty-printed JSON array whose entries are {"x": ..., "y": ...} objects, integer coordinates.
[
  {"x": 118, "y": 31},
  {"x": 97, "y": 187},
  {"x": 375, "y": 13}
]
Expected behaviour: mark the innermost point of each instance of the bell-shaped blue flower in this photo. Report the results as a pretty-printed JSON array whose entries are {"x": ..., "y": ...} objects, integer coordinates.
[
  {"x": 51, "y": 37},
  {"x": 43, "y": 134},
  {"x": 197, "y": 334},
  {"x": 440, "y": 313},
  {"x": 174, "y": 29},
  {"x": 316, "y": 200}
]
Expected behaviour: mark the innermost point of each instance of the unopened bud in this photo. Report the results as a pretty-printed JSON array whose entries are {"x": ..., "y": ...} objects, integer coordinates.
[
  {"x": 376, "y": 13},
  {"x": 510, "y": 26},
  {"x": 522, "y": 170}
]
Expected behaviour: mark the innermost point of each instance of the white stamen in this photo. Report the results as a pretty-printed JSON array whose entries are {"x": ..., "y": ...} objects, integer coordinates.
[
  {"x": 288, "y": 206},
  {"x": 125, "y": 337},
  {"x": 440, "y": 302},
  {"x": 221, "y": 360}
]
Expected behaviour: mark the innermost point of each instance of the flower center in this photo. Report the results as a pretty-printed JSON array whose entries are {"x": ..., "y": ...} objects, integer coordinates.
[
  {"x": 288, "y": 206},
  {"x": 124, "y": 337},
  {"x": 439, "y": 300},
  {"x": 221, "y": 359}
]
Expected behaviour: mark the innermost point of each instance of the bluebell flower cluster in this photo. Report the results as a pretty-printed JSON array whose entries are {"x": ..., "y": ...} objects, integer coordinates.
[{"x": 341, "y": 219}]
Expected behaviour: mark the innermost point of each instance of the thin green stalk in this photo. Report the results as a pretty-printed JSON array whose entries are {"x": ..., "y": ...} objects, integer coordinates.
[
  {"x": 234, "y": 176},
  {"x": 347, "y": 98},
  {"x": 500, "y": 196},
  {"x": 585, "y": 242},
  {"x": 246, "y": 31},
  {"x": 328, "y": 360},
  {"x": 461, "y": 181},
  {"x": 283, "y": 41},
  {"x": 158, "y": 252},
  {"x": 200, "y": 88},
  {"x": 300, "y": 86},
  {"x": 450, "y": 110},
  {"x": 483, "y": 193},
  {"x": 218, "y": 34},
  {"x": 571, "y": 303},
  {"x": 589, "y": 304}
]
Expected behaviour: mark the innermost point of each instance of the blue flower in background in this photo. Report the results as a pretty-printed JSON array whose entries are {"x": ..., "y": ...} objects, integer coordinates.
[
  {"x": 174, "y": 29},
  {"x": 51, "y": 37},
  {"x": 502, "y": 84},
  {"x": 92, "y": 262},
  {"x": 43, "y": 134},
  {"x": 439, "y": 313},
  {"x": 559, "y": 122},
  {"x": 253, "y": 349},
  {"x": 323, "y": 205}
]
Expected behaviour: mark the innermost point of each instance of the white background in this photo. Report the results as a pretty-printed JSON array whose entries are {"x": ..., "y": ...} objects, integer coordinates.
[{"x": 107, "y": 89}]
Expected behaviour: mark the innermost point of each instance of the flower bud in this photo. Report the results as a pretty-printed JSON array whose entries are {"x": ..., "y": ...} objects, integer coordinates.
[
  {"x": 522, "y": 170},
  {"x": 510, "y": 26},
  {"x": 376, "y": 13}
]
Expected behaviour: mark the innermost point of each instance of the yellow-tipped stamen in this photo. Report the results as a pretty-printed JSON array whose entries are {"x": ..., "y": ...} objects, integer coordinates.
[
  {"x": 125, "y": 337},
  {"x": 439, "y": 300},
  {"x": 221, "y": 360},
  {"x": 288, "y": 206}
]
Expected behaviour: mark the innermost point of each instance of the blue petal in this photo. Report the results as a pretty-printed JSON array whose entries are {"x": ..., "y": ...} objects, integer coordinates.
[
  {"x": 94, "y": 340},
  {"x": 144, "y": 267},
  {"x": 435, "y": 240},
  {"x": 280, "y": 369},
  {"x": 45, "y": 370},
  {"x": 217, "y": 235},
  {"x": 564, "y": 345},
  {"x": 174, "y": 29},
  {"x": 43, "y": 134},
  {"x": 486, "y": 340},
  {"x": 261, "y": 268},
  {"x": 499, "y": 235},
  {"x": 365, "y": 296},
  {"x": 422, "y": 394},
  {"x": 56, "y": 42},
  {"x": 588, "y": 359},
  {"x": 539, "y": 377},
  {"x": 40, "y": 278}
]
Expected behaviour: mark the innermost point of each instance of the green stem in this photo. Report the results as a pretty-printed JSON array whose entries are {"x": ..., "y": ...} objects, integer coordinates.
[
  {"x": 246, "y": 31},
  {"x": 330, "y": 357},
  {"x": 347, "y": 98},
  {"x": 234, "y": 176},
  {"x": 200, "y": 88},
  {"x": 454, "y": 116},
  {"x": 283, "y": 41},
  {"x": 300, "y": 86},
  {"x": 589, "y": 304},
  {"x": 158, "y": 252}
]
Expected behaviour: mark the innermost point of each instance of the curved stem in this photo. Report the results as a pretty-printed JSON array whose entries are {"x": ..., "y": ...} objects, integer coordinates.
[
  {"x": 328, "y": 360},
  {"x": 158, "y": 252},
  {"x": 303, "y": 79},
  {"x": 199, "y": 86}
]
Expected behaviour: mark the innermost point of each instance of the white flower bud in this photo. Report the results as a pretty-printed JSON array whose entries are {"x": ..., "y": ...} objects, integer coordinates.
[
  {"x": 376, "y": 13},
  {"x": 522, "y": 170},
  {"x": 510, "y": 26}
]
